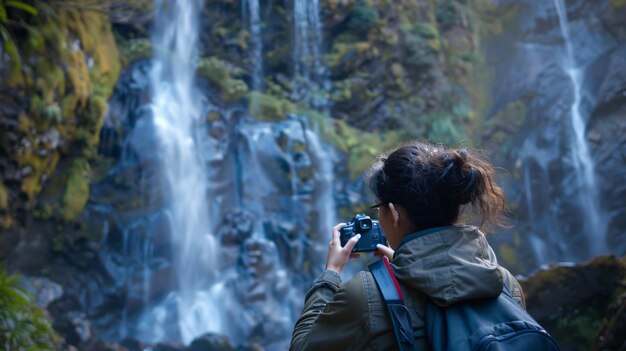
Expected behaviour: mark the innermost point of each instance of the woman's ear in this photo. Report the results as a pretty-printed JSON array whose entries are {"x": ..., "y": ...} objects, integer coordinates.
[{"x": 394, "y": 214}]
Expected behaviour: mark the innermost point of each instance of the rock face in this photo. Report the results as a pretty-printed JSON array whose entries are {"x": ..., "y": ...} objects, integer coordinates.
[
  {"x": 581, "y": 306},
  {"x": 556, "y": 123}
]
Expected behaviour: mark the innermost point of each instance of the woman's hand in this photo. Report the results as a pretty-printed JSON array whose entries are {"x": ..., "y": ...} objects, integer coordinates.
[
  {"x": 383, "y": 250},
  {"x": 338, "y": 256}
]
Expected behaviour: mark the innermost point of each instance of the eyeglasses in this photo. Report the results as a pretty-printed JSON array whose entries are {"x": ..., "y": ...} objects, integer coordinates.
[{"x": 378, "y": 205}]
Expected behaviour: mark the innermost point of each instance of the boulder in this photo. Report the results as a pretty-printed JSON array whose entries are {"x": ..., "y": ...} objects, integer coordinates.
[
  {"x": 582, "y": 305},
  {"x": 211, "y": 342}
]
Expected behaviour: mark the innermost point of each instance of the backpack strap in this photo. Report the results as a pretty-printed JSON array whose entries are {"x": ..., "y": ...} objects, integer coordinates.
[{"x": 390, "y": 290}]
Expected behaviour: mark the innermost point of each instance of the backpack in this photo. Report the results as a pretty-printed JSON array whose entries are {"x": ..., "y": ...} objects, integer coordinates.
[{"x": 497, "y": 324}]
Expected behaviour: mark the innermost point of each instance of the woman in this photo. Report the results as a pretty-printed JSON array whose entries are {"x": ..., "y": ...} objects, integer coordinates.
[{"x": 421, "y": 191}]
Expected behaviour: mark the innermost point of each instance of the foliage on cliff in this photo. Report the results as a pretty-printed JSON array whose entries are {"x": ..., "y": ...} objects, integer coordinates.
[
  {"x": 405, "y": 70},
  {"x": 54, "y": 95},
  {"x": 23, "y": 325}
]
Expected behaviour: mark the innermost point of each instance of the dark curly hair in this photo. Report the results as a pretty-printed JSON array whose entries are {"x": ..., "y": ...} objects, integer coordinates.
[{"x": 434, "y": 183}]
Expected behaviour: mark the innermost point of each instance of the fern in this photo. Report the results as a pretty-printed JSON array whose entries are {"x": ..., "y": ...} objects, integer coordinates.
[
  {"x": 9, "y": 43},
  {"x": 23, "y": 325}
]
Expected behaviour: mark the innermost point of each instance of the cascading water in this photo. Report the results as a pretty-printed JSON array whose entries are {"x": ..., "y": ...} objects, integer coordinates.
[
  {"x": 254, "y": 22},
  {"x": 311, "y": 82},
  {"x": 564, "y": 221},
  {"x": 581, "y": 156},
  {"x": 175, "y": 114},
  {"x": 262, "y": 192}
]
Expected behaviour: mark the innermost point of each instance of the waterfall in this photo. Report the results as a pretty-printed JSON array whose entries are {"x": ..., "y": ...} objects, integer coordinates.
[
  {"x": 254, "y": 21},
  {"x": 581, "y": 156},
  {"x": 311, "y": 83},
  {"x": 176, "y": 112}
]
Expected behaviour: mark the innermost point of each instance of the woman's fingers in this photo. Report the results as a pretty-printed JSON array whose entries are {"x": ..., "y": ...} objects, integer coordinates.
[
  {"x": 384, "y": 250},
  {"x": 336, "y": 229},
  {"x": 350, "y": 244},
  {"x": 338, "y": 256}
]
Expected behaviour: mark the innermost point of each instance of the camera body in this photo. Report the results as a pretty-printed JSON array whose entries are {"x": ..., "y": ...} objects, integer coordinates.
[{"x": 370, "y": 231}]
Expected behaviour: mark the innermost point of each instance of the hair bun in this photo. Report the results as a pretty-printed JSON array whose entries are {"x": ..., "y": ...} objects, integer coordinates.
[
  {"x": 471, "y": 186},
  {"x": 463, "y": 153}
]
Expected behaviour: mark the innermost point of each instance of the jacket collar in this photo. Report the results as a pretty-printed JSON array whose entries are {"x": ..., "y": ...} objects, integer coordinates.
[{"x": 420, "y": 234}]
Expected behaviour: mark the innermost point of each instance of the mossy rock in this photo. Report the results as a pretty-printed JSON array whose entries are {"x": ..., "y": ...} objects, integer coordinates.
[
  {"x": 76, "y": 190},
  {"x": 135, "y": 49},
  {"x": 362, "y": 17},
  {"x": 4, "y": 197},
  {"x": 362, "y": 147},
  {"x": 5, "y": 218},
  {"x": 266, "y": 107},
  {"x": 618, "y": 3},
  {"x": 572, "y": 302},
  {"x": 223, "y": 76},
  {"x": 39, "y": 165}
]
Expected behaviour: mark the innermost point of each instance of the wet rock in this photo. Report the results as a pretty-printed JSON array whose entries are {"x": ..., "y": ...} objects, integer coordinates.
[
  {"x": 261, "y": 292},
  {"x": 99, "y": 345},
  {"x": 43, "y": 289},
  {"x": 132, "y": 344},
  {"x": 577, "y": 304},
  {"x": 211, "y": 342},
  {"x": 69, "y": 321},
  {"x": 167, "y": 347},
  {"x": 611, "y": 335},
  {"x": 236, "y": 227}
]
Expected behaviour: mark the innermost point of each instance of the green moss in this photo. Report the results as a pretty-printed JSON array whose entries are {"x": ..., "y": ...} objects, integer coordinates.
[
  {"x": 44, "y": 211},
  {"x": 58, "y": 244},
  {"x": 341, "y": 50},
  {"x": 5, "y": 218},
  {"x": 443, "y": 129},
  {"x": 52, "y": 113},
  {"x": 221, "y": 74},
  {"x": 4, "y": 197},
  {"x": 508, "y": 255},
  {"x": 76, "y": 190},
  {"x": 32, "y": 184},
  {"x": 360, "y": 147},
  {"x": 266, "y": 107},
  {"x": 577, "y": 330},
  {"x": 618, "y": 3},
  {"x": 362, "y": 17},
  {"x": 135, "y": 49}
]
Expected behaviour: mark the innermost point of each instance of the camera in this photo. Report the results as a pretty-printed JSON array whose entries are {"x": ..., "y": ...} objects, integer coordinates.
[{"x": 370, "y": 231}]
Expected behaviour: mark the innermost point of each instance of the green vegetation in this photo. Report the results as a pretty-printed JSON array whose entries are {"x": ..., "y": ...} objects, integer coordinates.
[
  {"x": 10, "y": 45},
  {"x": 23, "y": 325},
  {"x": 362, "y": 18},
  {"x": 67, "y": 67},
  {"x": 76, "y": 191},
  {"x": 223, "y": 76},
  {"x": 135, "y": 49},
  {"x": 266, "y": 107}
]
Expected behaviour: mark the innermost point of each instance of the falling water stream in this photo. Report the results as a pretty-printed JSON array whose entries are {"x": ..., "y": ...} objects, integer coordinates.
[
  {"x": 175, "y": 113},
  {"x": 254, "y": 22},
  {"x": 311, "y": 83},
  {"x": 581, "y": 156},
  {"x": 235, "y": 212}
]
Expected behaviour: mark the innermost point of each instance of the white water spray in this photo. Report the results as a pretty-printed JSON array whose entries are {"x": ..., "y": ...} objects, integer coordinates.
[
  {"x": 175, "y": 113},
  {"x": 581, "y": 156},
  {"x": 310, "y": 73},
  {"x": 254, "y": 20}
]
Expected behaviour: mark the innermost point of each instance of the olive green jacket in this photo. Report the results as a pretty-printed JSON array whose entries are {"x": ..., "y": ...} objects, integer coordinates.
[{"x": 448, "y": 264}]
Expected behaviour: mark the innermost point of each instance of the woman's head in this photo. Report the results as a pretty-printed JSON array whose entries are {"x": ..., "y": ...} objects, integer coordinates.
[{"x": 433, "y": 183}]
